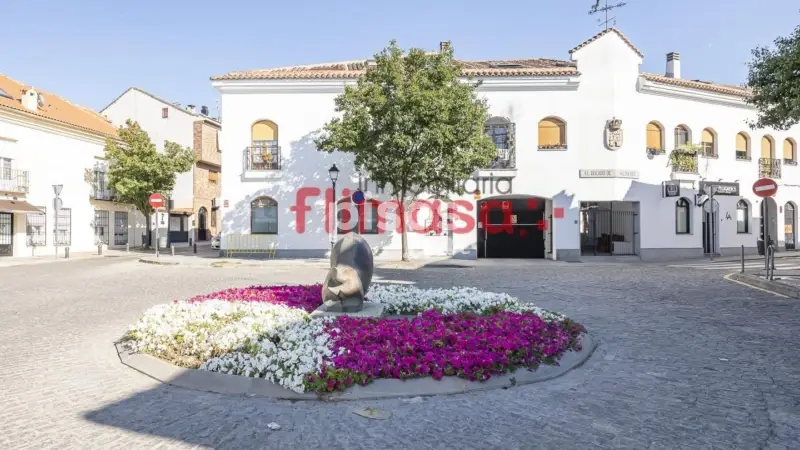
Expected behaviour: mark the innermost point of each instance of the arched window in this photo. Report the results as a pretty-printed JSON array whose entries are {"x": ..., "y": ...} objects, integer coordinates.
[
  {"x": 501, "y": 130},
  {"x": 264, "y": 216},
  {"x": 767, "y": 147},
  {"x": 742, "y": 217},
  {"x": 264, "y": 149},
  {"x": 682, "y": 216},
  {"x": 789, "y": 151},
  {"x": 742, "y": 146},
  {"x": 682, "y": 136},
  {"x": 709, "y": 142},
  {"x": 552, "y": 134},
  {"x": 655, "y": 138}
]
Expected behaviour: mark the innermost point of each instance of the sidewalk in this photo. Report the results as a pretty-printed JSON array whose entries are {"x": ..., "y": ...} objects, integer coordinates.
[
  {"x": 51, "y": 259},
  {"x": 209, "y": 260}
]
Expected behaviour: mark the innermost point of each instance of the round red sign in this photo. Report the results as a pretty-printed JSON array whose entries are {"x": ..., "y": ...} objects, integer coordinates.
[
  {"x": 765, "y": 187},
  {"x": 156, "y": 200}
]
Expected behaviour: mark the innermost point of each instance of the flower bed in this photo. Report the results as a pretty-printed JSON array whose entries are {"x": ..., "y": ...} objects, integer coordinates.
[{"x": 267, "y": 332}]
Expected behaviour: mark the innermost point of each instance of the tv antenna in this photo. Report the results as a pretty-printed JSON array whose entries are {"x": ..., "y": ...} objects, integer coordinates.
[{"x": 596, "y": 8}]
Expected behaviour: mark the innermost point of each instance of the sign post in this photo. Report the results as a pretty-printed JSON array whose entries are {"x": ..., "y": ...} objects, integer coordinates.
[
  {"x": 765, "y": 188},
  {"x": 156, "y": 202}
]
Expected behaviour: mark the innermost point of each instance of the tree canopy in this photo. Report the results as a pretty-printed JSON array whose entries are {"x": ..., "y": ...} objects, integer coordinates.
[
  {"x": 137, "y": 169},
  {"x": 412, "y": 125},
  {"x": 774, "y": 75}
]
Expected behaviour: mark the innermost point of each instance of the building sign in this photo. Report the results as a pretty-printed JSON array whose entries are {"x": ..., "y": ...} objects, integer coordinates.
[
  {"x": 720, "y": 188},
  {"x": 614, "y": 134},
  {"x": 671, "y": 188},
  {"x": 609, "y": 173}
]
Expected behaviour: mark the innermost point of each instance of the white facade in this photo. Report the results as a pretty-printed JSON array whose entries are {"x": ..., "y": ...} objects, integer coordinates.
[
  {"x": 177, "y": 126},
  {"x": 606, "y": 85},
  {"x": 54, "y": 153}
]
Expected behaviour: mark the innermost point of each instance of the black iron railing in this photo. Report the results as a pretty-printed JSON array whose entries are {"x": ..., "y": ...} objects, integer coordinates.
[
  {"x": 262, "y": 157},
  {"x": 503, "y": 160},
  {"x": 741, "y": 155},
  {"x": 769, "y": 167},
  {"x": 13, "y": 180},
  {"x": 100, "y": 193}
]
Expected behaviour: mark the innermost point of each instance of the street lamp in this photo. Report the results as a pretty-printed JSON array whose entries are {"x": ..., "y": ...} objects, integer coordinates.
[{"x": 334, "y": 174}]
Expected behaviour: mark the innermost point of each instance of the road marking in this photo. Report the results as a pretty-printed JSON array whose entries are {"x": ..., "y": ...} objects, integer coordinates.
[{"x": 727, "y": 277}]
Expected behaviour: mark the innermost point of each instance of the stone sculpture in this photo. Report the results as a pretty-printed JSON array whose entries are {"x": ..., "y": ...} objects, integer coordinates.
[{"x": 350, "y": 275}]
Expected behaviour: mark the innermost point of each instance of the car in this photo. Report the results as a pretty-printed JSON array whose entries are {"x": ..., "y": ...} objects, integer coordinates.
[{"x": 215, "y": 241}]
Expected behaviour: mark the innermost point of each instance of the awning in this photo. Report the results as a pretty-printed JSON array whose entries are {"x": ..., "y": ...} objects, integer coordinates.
[{"x": 18, "y": 206}]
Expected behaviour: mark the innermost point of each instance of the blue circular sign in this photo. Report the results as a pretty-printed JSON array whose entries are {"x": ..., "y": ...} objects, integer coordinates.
[{"x": 357, "y": 197}]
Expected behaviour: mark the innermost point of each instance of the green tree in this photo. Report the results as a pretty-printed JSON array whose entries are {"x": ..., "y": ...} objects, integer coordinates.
[
  {"x": 774, "y": 75},
  {"x": 136, "y": 169},
  {"x": 412, "y": 126}
]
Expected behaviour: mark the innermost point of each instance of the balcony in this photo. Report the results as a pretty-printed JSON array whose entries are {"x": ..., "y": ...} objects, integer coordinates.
[
  {"x": 14, "y": 181},
  {"x": 99, "y": 193},
  {"x": 262, "y": 158},
  {"x": 683, "y": 162},
  {"x": 503, "y": 160},
  {"x": 769, "y": 167}
]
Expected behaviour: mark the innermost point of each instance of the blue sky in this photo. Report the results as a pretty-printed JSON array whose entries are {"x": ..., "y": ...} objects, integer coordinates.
[{"x": 90, "y": 51}]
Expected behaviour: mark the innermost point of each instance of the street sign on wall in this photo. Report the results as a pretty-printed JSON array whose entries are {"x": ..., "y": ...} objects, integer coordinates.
[{"x": 765, "y": 187}]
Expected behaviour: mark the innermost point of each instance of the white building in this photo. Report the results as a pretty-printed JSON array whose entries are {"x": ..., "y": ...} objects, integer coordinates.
[
  {"x": 46, "y": 141},
  {"x": 585, "y": 149},
  {"x": 194, "y": 198}
]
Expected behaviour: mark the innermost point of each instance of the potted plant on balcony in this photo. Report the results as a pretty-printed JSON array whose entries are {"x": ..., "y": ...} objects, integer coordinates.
[{"x": 684, "y": 158}]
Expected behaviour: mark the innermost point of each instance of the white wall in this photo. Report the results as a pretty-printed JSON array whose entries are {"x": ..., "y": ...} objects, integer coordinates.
[
  {"x": 608, "y": 89},
  {"x": 178, "y": 127},
  {"x": 57, "y": 158}
]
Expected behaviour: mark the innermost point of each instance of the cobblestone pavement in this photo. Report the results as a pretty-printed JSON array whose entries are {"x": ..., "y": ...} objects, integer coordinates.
[{"x": 687, "y": 361}]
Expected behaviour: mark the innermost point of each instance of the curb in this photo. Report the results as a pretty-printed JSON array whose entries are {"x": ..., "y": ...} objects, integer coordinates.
[
  {"x": 774, "y": 287},
  {"x": 236, "y": 385},
  {"x": 157, "y": 263}
]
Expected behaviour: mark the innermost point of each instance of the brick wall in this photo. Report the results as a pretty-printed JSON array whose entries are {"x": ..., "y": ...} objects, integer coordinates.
[
  {"x": 207, "y": 172},
  {"x": 206, "y": 143}
]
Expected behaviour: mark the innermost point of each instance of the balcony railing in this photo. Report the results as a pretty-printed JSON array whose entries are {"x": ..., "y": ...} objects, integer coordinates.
[
  {"x": 503, "y": 160},
  {"x": 262, "y": 158},
  {"x": 13, "y": 180},
  {"x": 769, "y": 167},
  {"x": 684, "y": 162},
  {"x": 104, "y": 194},
  {"x": 655, "y": 151},
  {"x": 708, "y": 150},
  {"x": 789, "y": 162},
  {"x": 741, "y": 155}
]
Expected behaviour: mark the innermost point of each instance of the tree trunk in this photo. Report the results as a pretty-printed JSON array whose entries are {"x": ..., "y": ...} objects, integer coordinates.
[{"x": 404, "y": 234}]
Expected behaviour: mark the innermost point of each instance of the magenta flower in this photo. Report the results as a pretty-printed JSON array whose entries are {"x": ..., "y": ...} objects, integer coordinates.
[{"x": 306, "y": 297}]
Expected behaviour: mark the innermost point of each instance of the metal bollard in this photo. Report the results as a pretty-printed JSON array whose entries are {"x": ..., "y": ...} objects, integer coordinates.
[
  {"x": 172, "y": 249},
  {"x": 127, "y": 247},
  {"x": 100, "y": 249},
  {"x": 742, "y": 258},
  {"x": 66, "y": 252},
  {"x": 195, "y": 247}
]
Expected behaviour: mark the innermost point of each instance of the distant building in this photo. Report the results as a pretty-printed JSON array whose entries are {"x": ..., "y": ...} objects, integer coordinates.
[
  {"x": 591, "y": 160},
  {"x": 193, "y": 202},
  {"x": 44, "y": 141}
]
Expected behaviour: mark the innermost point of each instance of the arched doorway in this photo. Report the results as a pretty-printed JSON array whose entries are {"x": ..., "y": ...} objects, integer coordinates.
[
  {"x": 789, "y": 221},
  {"x": 512, "y": 226},
  {"x": 202, "y": 232},
  {"x": 772, "y": 216}
]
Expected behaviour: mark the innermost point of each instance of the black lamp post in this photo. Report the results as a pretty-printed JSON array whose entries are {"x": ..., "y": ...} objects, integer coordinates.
[{"x": 334, "y": 174}]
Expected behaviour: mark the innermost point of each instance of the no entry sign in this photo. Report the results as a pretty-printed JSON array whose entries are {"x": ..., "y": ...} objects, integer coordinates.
[
  {"x": 156, "y": 200},
  {"x": 765, "y": 187}
]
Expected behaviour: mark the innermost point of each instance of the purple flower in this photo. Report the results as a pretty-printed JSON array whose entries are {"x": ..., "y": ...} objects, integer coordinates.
[{"x": 306, "y": 297}]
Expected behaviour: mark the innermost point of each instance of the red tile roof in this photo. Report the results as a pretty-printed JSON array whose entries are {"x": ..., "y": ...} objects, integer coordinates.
[
  {"x": 354, "y": 69},
  {"x": 726, "y": 89},
  {"x": 55, "y": 108}
]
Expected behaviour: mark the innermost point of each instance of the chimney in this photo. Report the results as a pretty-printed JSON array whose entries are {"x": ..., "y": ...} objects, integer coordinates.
[
  {"x": 444, "y": 46},
  {"x": 191, "y": 109},
  {"x": 673, "y": 65},
  {"x": 30, "y": 100},
  {"x": 371, "y": 64},
  {"x": 204, "y": 110}
]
